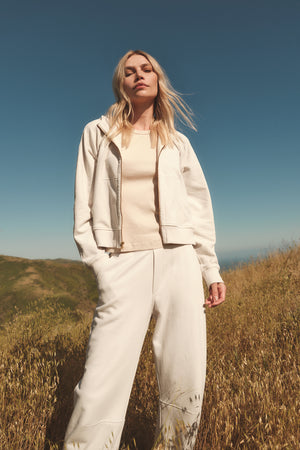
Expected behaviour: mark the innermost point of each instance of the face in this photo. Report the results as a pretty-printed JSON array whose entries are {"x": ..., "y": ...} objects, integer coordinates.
[{"x": 140, "y": 81}]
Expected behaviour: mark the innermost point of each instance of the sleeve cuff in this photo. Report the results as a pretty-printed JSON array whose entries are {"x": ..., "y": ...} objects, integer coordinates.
[{"x": 212, "y": 276}]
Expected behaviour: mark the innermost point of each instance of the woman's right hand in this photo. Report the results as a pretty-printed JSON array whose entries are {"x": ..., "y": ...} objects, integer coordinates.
[{"x": 217, "y": 294}]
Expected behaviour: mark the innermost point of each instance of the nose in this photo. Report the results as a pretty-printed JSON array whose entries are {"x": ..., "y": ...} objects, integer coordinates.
[{"x": 139, "y": 74}]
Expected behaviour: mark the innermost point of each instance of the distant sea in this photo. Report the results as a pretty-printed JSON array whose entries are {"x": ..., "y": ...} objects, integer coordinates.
[{"x": 230, "y": 260}]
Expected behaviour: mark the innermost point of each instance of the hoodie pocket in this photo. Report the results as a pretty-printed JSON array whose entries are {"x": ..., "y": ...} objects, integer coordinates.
[{"x": 176, "y": 209}]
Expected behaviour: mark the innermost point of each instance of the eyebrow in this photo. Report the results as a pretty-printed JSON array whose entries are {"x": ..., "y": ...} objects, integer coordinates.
[{"x": 142, "y": 65}]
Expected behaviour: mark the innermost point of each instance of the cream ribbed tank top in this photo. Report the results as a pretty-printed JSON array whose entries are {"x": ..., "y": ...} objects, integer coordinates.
[{"x": 139, "y": 194}]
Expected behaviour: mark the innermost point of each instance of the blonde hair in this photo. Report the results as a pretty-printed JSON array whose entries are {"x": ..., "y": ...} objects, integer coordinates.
[{"x": 168, "y": 105}]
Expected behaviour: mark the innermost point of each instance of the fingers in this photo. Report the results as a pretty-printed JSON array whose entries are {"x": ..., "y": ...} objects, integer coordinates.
[
  {"x": 222, "y": 292},
  {"x": 217, "y": 293}
]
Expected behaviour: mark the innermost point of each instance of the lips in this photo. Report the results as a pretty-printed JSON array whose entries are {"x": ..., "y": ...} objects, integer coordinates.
[{"x": 140, "y": 85}]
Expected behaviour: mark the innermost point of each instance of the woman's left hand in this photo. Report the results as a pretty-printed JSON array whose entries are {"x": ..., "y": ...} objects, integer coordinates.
[{"x": 217, "y": 293}]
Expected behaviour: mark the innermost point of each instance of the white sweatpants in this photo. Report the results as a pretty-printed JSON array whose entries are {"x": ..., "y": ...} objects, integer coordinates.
[{"x": 166, "y": 282}]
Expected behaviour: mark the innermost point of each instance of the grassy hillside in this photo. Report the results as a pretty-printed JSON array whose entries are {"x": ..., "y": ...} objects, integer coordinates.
[
  {"x": 252, "y": 390},
  {"x": 23, "y": 281}
]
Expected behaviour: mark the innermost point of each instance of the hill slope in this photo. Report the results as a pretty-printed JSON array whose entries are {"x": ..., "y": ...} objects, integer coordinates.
[{"x": 23, "y": 281}]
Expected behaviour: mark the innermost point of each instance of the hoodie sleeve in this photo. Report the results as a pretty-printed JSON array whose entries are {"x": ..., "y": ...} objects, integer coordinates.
[
  {"x": 202, "y": 214},
  {"x": 84, "y": 181}
]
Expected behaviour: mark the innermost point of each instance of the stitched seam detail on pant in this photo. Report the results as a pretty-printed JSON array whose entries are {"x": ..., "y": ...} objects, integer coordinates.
[
  {"x": 103, "y": 421},
  {"x": 181, "y": 408}
]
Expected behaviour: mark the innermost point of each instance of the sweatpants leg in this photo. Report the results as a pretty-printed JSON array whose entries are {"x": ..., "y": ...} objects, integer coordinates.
[
  {"x": 179, "y": 343},
  {"x": 120, "y": 323}
]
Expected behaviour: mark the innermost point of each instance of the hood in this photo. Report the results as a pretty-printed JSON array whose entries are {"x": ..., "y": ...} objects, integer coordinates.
[{"x": 103, "y": 124}]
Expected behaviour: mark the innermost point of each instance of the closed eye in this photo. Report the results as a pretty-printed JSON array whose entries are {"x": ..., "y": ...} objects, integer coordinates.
[
  {"x": 128, "y": 72},
  {"x": 145, "y": 67}
]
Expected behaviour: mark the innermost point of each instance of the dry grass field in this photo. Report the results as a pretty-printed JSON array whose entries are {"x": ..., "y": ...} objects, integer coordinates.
[{"x": 252, "y": 391}]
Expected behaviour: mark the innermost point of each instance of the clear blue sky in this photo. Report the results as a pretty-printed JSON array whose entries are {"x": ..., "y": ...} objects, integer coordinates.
[{"x": 237, "y": 62}]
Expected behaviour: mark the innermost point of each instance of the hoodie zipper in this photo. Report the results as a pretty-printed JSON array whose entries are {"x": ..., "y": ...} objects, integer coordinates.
[
  {"x": 120, "y": 201},
  {"x": 158, "y": 190}
]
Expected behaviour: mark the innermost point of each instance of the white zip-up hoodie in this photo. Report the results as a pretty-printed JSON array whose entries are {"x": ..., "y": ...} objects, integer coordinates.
[{"x": 185, "y": 210}]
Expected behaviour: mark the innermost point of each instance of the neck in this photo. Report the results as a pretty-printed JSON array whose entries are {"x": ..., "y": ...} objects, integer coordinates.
[{"x": 142, "y": 116}]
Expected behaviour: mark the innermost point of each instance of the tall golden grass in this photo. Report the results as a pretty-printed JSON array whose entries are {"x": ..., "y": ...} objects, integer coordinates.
[{"x": 252, "y": 389}]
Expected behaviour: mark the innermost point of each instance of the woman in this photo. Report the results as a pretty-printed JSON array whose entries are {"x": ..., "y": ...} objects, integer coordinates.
[{"x": 144, "y": 223}]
